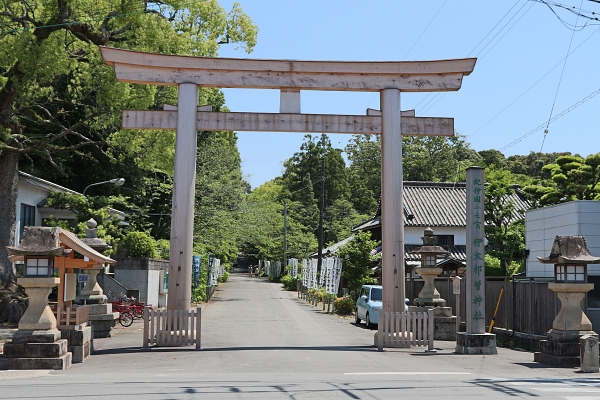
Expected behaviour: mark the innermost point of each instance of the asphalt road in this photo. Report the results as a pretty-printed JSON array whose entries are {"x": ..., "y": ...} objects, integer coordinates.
[{"x": 260, "y": 342}]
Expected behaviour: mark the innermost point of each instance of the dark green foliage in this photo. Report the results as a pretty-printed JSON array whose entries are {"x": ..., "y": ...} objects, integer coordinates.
[
  {"x": 344, "y": 305},
  {"x": 139, "y": 244},
  {"x": 289, "y": 283},
  {"x": 505, "y": 235},
  {"x": 357, "y": 260}
]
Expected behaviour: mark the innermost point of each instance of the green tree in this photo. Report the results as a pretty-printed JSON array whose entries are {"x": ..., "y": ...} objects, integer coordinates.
[
  {"x": 492, "y": 158},
  {"x": 357, "y": 260},
  {"x": 364, "y": 172},
  {"x": 60, "y": 102},
  {"x": 576, "y": 178},
  {"x": 436, "y": 158},
  {"x": 219, "y": 195},
  {"x": 504, "y": 223},
  {"x": 531, "y": 164}
]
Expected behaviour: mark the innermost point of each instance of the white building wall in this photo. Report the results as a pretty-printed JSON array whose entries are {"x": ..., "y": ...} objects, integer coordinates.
[
  {"x": 542, "y": 225},
  {"x": 413, "y": 235}
]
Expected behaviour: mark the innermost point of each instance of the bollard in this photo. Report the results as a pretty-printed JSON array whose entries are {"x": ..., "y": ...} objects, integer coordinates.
[{"x": 589, "y": 353}]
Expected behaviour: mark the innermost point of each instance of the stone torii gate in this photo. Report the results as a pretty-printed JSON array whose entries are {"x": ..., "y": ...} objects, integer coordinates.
[{"x": 289, "y": 76}]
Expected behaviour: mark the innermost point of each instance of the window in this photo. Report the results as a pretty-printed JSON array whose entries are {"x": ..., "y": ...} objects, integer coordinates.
[
  {"x": 376, "y": 294},
  {"x": 430, "y": 261},
  {"x": 570, "y": 273},
  {"x": 445, "y": 241},
  {"x": 27, "y": 218},
  {"x": 593, "y": 297},
  {"x": 38, "y": 267}
]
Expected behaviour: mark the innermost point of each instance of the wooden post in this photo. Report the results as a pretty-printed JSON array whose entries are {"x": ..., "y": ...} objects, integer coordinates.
[
  {"x": 184, "y": 183},
  {"x": 198, "y": 327},
  {"x": 392, "y": 224},
  {"x": 146, "y": 333}
]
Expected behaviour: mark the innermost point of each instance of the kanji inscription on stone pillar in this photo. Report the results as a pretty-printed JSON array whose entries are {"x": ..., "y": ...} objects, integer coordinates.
[{"x": 475, "y": 316}]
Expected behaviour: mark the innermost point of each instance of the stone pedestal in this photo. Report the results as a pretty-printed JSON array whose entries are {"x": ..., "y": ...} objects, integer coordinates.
[
  {"x": 38, "y": 315},
  {"x": 91, "y": 292},
  {"x": 590, "y": 361},
  {"x": 79, "y": 343},
  {"x": 103, "y": 319},
  {"x": 562, "y": 348},
  {"x": 429, "y": 296},
  {"x": 36, "y": 350},
  {"x": 37, "y": 344},
  {"x": 475, "y": 343},
  {"x": 444, "y": 323}
]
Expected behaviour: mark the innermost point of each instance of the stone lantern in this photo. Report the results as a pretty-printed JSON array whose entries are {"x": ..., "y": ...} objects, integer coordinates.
[
  {"x": 37, "y": 344},
  {"x": 429, "y": 297},
  {"x": 92, "y": 293},
  {"x": 570, "y": 256}
]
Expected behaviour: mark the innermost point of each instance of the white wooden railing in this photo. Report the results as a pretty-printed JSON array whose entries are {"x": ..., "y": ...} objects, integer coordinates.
[
  {"x": 406, "y": 329},
  {"x": 172, "y": 328}
]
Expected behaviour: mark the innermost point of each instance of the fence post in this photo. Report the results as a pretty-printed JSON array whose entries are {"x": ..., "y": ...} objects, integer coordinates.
[
  {"x": 146, "y": 320},
  {"x": 430, "y": 324},
  {"x": 198, "y": 327}
]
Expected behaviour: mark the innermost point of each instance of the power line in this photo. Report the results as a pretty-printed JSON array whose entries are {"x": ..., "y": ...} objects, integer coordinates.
[
  {"x": 438, "y": 96},
  {"x": 531, "y": 87},
  {"x": 411, "y": 47},
  {"x": 559, "y": 82},
  {"x": 542, "y": 126}
]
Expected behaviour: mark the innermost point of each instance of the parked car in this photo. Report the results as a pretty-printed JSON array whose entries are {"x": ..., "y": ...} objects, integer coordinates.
[{"x": 369, "y": 304}]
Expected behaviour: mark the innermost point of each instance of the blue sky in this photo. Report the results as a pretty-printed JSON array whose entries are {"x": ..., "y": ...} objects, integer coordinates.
[{"x": 517, "y": 43}]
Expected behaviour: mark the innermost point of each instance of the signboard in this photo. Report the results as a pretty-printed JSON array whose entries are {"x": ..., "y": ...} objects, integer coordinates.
[
  {"x": 211, "y": 261},
  {"x": 82, "y": 278},
  {"x": 475, "y": 286},
  {"x": 195, "y": 270}
]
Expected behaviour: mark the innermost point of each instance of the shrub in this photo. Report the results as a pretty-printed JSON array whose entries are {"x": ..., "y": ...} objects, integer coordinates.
[
  {"x": 224, "y": 277},
  {"x": 289, "y": 283},
  {"x": 344, "y": 305},
  {"x": 139, "y": 244}
]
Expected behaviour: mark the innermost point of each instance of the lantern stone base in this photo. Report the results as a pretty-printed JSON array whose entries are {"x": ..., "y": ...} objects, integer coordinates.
[
  {"x": 79, "y": 343},
  {"x": 36, "y": 350},
  {"x": 561, "y": 348},
  {"x": 475, "y": 343},
  {"x": 444, "y": 323},
  {"x": 103, "y": 319}
]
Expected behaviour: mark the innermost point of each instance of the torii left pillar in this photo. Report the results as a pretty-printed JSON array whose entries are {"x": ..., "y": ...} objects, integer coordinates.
[{"x": 184, "y": 185}]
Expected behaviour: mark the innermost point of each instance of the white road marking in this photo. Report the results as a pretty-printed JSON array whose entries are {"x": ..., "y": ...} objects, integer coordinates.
[
  {"x": 408, "y": 373},
  {"x": 582, "y": 398},
  {"x": 567, "y": 390}
]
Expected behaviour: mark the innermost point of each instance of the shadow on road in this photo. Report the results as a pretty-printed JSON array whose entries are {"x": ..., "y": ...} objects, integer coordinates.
[{"x": 137, "y": 349}]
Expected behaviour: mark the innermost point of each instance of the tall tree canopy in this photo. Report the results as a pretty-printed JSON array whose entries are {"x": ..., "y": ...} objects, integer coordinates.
[{"x": 59, "y": 102}]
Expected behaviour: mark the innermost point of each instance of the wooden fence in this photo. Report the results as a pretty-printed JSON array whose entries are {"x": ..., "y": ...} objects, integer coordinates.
[
  {"x": 527, "y": 306},
  {"x": 73, "y": 318},
  {"x": 172, "y": 328},
  {"x": 406, "y": 329}
]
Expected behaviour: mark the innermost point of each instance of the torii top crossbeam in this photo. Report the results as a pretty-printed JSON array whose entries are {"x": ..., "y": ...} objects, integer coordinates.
[{"x": 360, "y": 76}]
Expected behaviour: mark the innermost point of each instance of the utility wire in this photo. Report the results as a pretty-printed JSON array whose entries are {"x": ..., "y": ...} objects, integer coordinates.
[
  {"x": 411, "y": 47},
  {"x": 531, "y": 87},
  {"x": 542, "y": 126},
  {"x": 438, "y": 96},
  {"x": 559, "y": 81}
]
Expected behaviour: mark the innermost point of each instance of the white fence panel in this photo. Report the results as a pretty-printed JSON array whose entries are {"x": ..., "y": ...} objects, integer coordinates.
[
  {"x": 406, "y": 329},
  {"x": 172, "y": 328}
]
